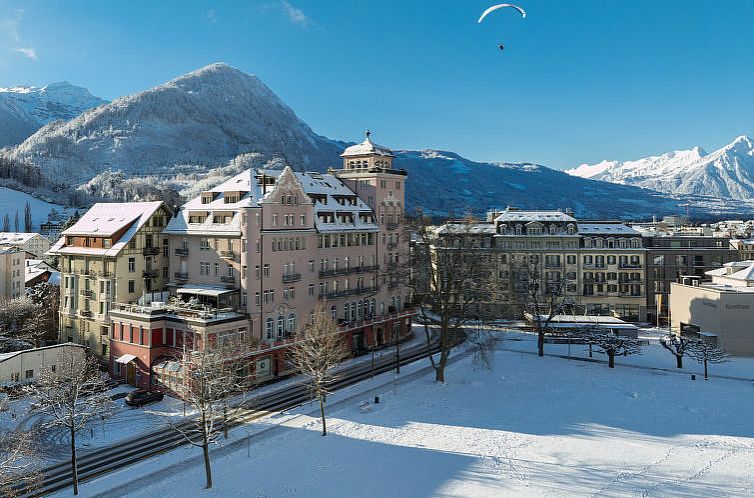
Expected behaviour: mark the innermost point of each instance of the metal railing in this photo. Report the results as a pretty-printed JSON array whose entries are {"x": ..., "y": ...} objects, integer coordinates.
[
  {"x": 87, "y": 293},
  {"x": 149, "y": 274},
  {"x": 227, "y": 279},
  {"x": 150, "y": 251},
  {"x": 181, "y": 276},
  {"x": 182, "y": 251},
  {"x": 227, "y": 254},
  {"x": 291, "y": 277},
  {"x": 352, "y": 292},
  {"x": 348, "y": 271}
]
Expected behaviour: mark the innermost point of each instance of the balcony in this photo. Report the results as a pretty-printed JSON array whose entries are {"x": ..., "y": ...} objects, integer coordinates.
[
  {"x": 85, "y": 313},
  {"x": 149, "y": 274},
  {"x": 228, "y": 255},
  {"x": 392, "y": 245},
  {"x": 182, "y": 251},
  {"x": 391, "y": 226},
  {"x": 553, "y": 265},
  {"x": 291, "y": 277},
  {"x": 636, "y": 266},
  {"x": 227, "y": 279},
  {"x": 348, "y": 271},
  {"x": 87, "y": 293},
  {"x": 352, "y": 292},
  {"x": 150, "y": 251},
  {"x": 181, "y": 276}
]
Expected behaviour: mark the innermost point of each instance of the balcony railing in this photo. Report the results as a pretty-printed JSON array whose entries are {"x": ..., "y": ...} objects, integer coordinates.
[
  {"x": 181, "y": 276},
  {"x": 291, "y": 277},
  {"x": 182, "y": 251},
  {"x": 553, "y": 265},
  {"x": 87, "y": 293},
  {"x": 85, "y": 313},
  {"x": 227, "y": 254},
  {"x": 149, "y": 274},
  {"x": 348, "y": 271},
  {"x": 391, "y": 226},
  {"x": 150, "y": 251},
  {"x": 392, "y": 245},
  {"x": 630, "y": 265},
  {"x": 227, "y": 279},
  {"x": 352, "y": 292}
]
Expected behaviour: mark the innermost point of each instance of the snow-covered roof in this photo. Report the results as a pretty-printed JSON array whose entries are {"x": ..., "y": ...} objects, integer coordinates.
[
  {"x": 365, "y": 148},
  {"x": 37, "y": 267},
  {"x": 526, "y": 216},
  {"x": 606, "y": 229},
  {"x": 466, "y": 228},
  {"x": 105, "y": 219},
  {"x": 332, "y": 186},
  {"x": 7, "y": 356},
  {"x": 11, "y": 238}
]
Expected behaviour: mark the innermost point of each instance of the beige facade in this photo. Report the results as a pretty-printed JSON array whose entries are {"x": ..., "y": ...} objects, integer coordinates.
[
  {"x": 25, "y": 366},
  {"x": 33, "y": 243},
  {"x": 721, "y": 310},
  {"x": 12, "y": 275},
  {"x": 115, "y": 253}
]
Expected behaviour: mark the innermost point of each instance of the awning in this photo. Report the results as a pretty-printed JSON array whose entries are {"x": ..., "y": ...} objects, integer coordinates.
[
  {"x": 126, "y": 358},
  {"x": 195, "y": 290}
]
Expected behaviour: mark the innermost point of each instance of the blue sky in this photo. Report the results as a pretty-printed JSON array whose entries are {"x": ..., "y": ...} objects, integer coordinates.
[{"x": 579, "y": 81}]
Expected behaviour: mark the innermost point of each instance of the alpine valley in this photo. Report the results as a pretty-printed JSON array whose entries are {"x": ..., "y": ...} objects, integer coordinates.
[{"x": 190, "y": 133}]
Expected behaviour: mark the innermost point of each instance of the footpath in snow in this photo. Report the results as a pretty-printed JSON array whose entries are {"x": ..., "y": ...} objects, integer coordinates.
[{"x": 529, "y": 427}]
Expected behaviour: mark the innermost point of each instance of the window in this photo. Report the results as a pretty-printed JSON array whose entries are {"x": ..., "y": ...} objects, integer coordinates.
[
  {"x": 292, "y": 323},
  {"x": 281, "y": 325},
  {"x": 29, "y": 374},
  {"x": 131, "y": 286},
  {"x": 311, "y": 289},
  {"x": 268, "y": 327},
  {"x": 266, "y": 270},
  {"x": 131, "y": 265}
]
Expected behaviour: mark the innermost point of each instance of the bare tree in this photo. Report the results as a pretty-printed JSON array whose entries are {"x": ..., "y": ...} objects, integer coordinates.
[
  {"x": 452, "y": 277},
  {"x": 612, "y": 345},
  {"x": 540, "y": 300},
  {"x": 677, "y": 345},
  {"x": 6, "y": 223},
  {"x": 27, "y": 218},
  {"x": 72, "y": 392},
  {"x": 31, "y": 319},
  {"x": 211, "y": 376},
  {"x": 18, "y": 456},
  {"x": 705, "y": 352},
  {"x": 318, "y": 348},
  {"x": 15, "y": 223}
]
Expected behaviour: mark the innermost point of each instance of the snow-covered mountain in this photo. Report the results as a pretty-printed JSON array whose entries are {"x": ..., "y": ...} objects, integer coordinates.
[
  {"x": 727, "y": 172},
  {"x": 25, "y": 109},
  {"x": 211, "y": 122}
]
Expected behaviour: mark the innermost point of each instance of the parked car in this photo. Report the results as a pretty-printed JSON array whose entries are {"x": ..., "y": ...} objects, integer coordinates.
[{"x": 141, "y": 397}]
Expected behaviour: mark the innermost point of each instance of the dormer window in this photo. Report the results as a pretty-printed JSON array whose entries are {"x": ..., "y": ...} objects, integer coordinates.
[{"x": 208, "y": 197}]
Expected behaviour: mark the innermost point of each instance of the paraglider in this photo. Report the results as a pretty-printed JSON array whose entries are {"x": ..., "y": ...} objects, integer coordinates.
[{"x": 500, "y": 6}]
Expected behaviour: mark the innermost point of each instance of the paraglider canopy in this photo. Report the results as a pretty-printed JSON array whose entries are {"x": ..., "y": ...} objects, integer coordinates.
[{"x": 500, "y": 6}]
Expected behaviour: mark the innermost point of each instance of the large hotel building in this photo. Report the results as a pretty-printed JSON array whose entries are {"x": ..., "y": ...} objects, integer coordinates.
[{"x": 252, "y": 257}]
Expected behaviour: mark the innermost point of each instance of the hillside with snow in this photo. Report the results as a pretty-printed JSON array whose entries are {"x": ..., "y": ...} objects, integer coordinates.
[
  {"x": 211, "y": 122},
  {"x": 727, "y": 172},
  {"x": 25, "y": 109}
]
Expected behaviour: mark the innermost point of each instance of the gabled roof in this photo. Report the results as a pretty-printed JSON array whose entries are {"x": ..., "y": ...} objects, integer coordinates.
[
  {"x": 606, "y": 229},
  {"x": 10, "y": 238},
  {"x": 526, "y": 216}
]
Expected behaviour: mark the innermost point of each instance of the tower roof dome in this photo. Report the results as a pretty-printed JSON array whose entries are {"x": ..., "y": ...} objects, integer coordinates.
[{"x": 367, "y": 148}]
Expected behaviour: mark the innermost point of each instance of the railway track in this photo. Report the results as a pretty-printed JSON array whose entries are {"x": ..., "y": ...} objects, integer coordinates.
[{"x": 117, "y": 456}]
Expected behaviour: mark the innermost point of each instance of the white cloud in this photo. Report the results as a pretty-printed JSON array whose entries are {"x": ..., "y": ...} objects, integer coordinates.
[
  {"x": 9, "y": 23},
  {"x": 295, "y": 14},
  {"x": 27, "y": 52},
  {"x": 211, "y": 16}
]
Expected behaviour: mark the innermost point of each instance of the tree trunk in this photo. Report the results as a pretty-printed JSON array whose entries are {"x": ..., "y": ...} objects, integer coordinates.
[
  {"x": 611, "y": 360},
  {"x": 705, "y": 369},
  {"x": 590, "y": 350},
  {"x": 207, "y": 467},
  {"x": 541, "y": 342},
  {"x": 322, "y": 413},
  {"x": 74, "y": 469},
  {"x": 679, "y": 361},
  {"x": 440, "y": 374}
]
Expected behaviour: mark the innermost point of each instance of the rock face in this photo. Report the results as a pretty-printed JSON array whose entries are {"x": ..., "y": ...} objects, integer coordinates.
[
  {"x": 25, "y": 109},
  {"x": 202, "y": 122},
  {"x": 726, "y": 173}
]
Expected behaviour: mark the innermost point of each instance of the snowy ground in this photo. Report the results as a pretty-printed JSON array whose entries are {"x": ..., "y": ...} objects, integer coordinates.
[
  {"x": 12, "y": 201},
  {"x": 530, "y": 427}
]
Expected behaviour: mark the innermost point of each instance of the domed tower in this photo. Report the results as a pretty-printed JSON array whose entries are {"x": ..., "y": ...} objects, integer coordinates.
[{"x": 368, "y": 170}]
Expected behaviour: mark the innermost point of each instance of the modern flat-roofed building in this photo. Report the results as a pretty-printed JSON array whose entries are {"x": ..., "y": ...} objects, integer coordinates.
[{"x": 721, "y": 310}]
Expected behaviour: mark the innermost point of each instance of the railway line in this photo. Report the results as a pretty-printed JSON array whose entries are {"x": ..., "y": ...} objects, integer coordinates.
[{"x": 119, "y": 455}]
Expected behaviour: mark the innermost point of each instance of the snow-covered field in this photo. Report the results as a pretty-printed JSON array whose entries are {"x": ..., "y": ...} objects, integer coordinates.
[
  {"x": 12, "y": 201},
  {"x": 529, "y": 427}
]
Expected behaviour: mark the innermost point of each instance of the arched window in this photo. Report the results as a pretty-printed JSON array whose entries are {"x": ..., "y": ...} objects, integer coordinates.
[
  {"x": 292, "y": 323},
  {"x": 518, "y": 229},
  {"x": 571, "y": 230},
  {"x": 268, "y": 327},
  {"x": 281, "y": 325},
  {"x": 552, "y": 229},
  {"x": 345, "y": 311}
]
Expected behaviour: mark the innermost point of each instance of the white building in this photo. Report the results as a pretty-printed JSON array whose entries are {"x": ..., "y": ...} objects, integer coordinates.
[
  {"x": 23, "y": 367},
  {"x": 11, "y": 272}
]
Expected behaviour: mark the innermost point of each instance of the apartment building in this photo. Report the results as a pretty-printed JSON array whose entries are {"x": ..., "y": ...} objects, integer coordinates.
[
  {"x": 670, "y": 257},
  {"x": 259, "y": 252},
  {"x": 11, "y": 273},
  {"x": 33, "y": 243},
  {"x": 115, "y": 253},
  {"x": 597, "y": 266}
]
